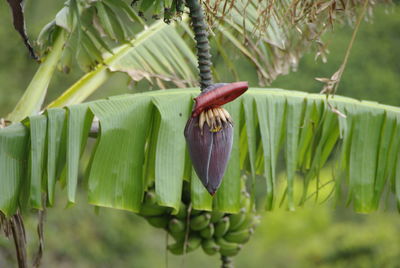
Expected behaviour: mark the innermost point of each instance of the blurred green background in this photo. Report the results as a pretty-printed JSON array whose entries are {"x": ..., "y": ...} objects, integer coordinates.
[{"x": 315, "y": 236}]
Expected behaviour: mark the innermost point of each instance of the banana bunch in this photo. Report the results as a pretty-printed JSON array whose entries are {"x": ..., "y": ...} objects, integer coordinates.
[{"x": 215, "y": 232}]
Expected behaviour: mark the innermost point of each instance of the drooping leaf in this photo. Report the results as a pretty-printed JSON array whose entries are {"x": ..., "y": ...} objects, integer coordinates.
[
  {"x": 250, "y": 119},
  {"x": 171, "y": 148},
  {"x": 37, "y": 157},
  {"x": 56, "y": 149},
  {"x": 116, "y": 172},
  {"x": 270, "y": 114},
  {"x": 78, "y": 125},
  {"x": 388, "y": 139},
  {"x": 13, "y": 165},
  {"x": 363, "y": 153},
  {"x": 141, "y": 143},
  {"x": 294, "y": 112},
  {"x": 227, "y": 197}
]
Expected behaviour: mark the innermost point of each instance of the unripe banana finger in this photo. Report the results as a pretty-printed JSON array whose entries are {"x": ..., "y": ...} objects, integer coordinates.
[
  {"x": 226, "y": 245},
  {"x": 148, "y": 210},
  {"x": 176, "y": 248},
  {"x": 210, "y": 247},
  {"x": 241, "y": 236},
  {"x": 216, "y": 216},
  {"x": 182, "y": 211},
  {"x": 178, "y": 236},
  {"x": 236, "y": 219},
  {"x": 200, "y": 222},
  {"x": 157, "y": 221},
  {"x": 248, "y": 222},
  {"x": 207, "y": 232},
  {"x": 221, "y": 227},
  {"x": 150, "y": 198},
  {"x": 230, "y": 252},
  {"x": 194, "y": 242},
  {"x": 176, "y": 226}
]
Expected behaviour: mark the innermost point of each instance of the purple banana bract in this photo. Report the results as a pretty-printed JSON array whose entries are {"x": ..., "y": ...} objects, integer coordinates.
[
  {"x": 209, "y": 152},
  {"x": 209, "y": 134}
]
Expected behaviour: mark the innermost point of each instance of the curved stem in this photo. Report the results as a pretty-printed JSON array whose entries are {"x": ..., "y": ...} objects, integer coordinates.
[{"x": 199, "y": 25}]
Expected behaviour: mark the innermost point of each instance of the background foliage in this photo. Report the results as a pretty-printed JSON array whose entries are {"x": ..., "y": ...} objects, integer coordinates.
[{"x": 312, "y": 237}]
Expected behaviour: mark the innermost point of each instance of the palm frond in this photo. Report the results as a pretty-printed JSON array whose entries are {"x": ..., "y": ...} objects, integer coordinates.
[{"x": 141, "y": 143}]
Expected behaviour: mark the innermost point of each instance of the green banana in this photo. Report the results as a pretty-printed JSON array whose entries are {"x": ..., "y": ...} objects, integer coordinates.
[
  {"x": 178, "y": 236},
  {"x": 193, "y": 243},
  {"x": 247, "y": 223},
  {"x": 209, "y": 246},
  {"x": 222, "y": 227},
  {"x": 216, "y": 216},
  {"x": 176, "y": 226},
  {"x": 236, "y": 219},
  {"x": 241, "y": 236},
  {"x": 176, "y": 248},
  {"x": 225, "y": 245},
  {"x": 230, "y": 252},
  {"x": 150, "y": 198},
  {"x": 200, "y": 222},
  {"x": 182, "y": 213},
  {"x": 148, "y": 210},
  {"x": 158, "y": 221},
  {"x": 208, "y": 232},
  {"x": 228, "y": 248},
  {"x": 251, "y": 220}
]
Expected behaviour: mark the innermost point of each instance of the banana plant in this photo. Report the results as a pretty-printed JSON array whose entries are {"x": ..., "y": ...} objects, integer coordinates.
[{"x": 146, "y": 130}]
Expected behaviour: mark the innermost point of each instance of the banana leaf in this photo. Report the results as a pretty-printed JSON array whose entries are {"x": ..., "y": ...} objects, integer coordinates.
[{"x": 140, "y": 142}]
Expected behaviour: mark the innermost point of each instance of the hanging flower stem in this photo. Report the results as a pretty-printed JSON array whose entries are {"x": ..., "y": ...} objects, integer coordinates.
[{"x": 200, "y": 29}]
